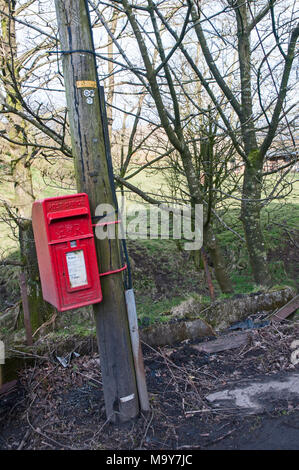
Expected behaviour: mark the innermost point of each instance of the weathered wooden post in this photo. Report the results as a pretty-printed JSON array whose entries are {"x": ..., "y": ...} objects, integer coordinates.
[{"x": 88, "y": 144}]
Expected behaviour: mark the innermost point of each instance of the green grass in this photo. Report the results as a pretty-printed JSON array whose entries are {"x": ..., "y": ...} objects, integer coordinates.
[
  {"x": 150, "y": 311},
  {"x": 278, "y": 220}
]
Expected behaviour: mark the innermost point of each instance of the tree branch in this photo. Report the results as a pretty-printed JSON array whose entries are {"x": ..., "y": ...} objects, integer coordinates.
[
  {"x": 212, "y": 66},
  {"x": 260, "y": 16},
  {"x": 282, "y": 91}
]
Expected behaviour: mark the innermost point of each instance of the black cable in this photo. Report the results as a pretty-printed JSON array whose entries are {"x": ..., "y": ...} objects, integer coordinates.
[
  {"x": 87, "y": 51},
  {"x": 123, "y": 246}
]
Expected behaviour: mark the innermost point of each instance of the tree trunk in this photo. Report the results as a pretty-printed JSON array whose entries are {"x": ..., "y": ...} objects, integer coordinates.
[
  {"x": 253, "y": 180},
  {"x": 40, "y": 311},
  {"x": 215, "y": 252},
  {"x": 251, "y": 220},
  {"x": 20, "y": 166}
]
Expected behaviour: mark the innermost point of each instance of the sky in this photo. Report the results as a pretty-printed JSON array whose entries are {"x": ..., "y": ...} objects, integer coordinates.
[{"x": 41, "y": 14}]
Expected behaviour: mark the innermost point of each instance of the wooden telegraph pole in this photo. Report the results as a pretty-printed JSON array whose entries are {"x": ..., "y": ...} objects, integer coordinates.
[{"x": 88, "y": 144}]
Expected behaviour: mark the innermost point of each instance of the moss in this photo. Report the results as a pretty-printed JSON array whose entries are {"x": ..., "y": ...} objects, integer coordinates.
[
  {"x": 281, "y": 287},
  {"x": 150, "y": 312},
  {"x": 40, "y": 310},
  {"x": 84, "y": 331},
  {"x": 254, "y": 157}
]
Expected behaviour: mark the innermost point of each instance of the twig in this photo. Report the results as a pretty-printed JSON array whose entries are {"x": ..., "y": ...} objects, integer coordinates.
[
  {"x": 47, "y": 323},
  {"x": 89, "y": 378},
  {"x": 26, "y": 354},
  {"x": 101, "y": 428},
  {"x": 47, "y": 437},
  {"x": 146, "y": 431},
  {"x": 197, "y": 411},
  {"x": 220, "y": 438},
  {"x": 24, "y": 440},
  {"x": 189, "y": 447}
]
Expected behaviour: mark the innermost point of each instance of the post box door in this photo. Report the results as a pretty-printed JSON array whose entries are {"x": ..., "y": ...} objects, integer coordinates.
[{"x": 77, "y": 276}]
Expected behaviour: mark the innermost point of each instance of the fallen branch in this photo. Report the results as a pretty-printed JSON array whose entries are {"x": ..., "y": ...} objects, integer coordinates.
[
  {"x": 220, "y": 438},
  {"x": 24, "y": 440},
  {"x": 47, "y": 323}
]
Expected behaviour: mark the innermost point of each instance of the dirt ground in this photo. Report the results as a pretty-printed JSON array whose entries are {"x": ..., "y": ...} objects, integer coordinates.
[{"x": 54, "y": 407}]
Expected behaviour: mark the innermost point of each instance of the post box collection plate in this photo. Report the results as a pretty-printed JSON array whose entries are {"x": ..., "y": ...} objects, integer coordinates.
[{"x": 66, "y": 254}]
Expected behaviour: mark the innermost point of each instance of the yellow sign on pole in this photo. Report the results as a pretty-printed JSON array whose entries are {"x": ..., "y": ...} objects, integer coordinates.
[{"x": 86, "y": 84}]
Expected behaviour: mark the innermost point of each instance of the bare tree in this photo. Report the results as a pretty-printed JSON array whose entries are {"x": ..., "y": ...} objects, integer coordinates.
[
  {"x": 249, "y": 52},
  {"x": 161, "y": 84},
  {"x": 27, "y": 136},
  {"x": 170, "y": 67},
  {"x": 258, "y": 124}
]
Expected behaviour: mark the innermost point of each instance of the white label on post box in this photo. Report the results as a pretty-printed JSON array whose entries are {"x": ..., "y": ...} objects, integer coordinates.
[{"x": 76, "y": 268}]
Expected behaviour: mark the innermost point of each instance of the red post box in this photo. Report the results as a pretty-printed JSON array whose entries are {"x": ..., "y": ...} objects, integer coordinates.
[{"x": 66, "y": 252}]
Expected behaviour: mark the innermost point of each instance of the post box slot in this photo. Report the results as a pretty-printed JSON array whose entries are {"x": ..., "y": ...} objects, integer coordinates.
[
  {"x": 67, "y": 239},
  {"x": 52, "y": 216}
]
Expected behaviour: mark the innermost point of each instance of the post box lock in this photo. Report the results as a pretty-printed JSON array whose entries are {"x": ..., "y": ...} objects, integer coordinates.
[{"x": 66, "y": 254}]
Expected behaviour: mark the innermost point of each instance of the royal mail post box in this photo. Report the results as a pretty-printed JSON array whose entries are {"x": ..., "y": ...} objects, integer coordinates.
[{"x": 66, "y": 252}]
